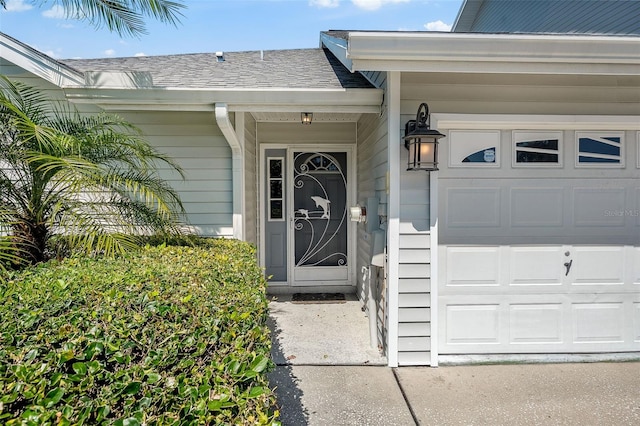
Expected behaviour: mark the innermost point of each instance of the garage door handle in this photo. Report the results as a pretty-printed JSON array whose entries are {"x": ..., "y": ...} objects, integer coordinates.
[{"x": 568, "y": 266}]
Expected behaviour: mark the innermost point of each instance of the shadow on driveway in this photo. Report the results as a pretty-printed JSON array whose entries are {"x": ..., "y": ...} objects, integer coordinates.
[{"x": 285, "y": 383}]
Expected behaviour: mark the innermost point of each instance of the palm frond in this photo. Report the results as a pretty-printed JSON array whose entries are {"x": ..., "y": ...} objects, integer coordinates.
[{"x": 125, "y": 17}]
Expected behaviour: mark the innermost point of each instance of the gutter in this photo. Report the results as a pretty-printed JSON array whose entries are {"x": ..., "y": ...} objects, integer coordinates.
[{"x": 237, "y": 166}]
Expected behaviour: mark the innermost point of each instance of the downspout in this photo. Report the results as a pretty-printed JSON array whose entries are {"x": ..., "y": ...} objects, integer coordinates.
[{"x": 237, "y": 167}]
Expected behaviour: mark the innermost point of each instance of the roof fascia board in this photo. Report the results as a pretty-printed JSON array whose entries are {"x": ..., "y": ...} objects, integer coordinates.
[
  {"x": 38, "y": 63},
  {"x": 346, "y": 100},
  {"x": 515, "y": 67},
  {"x": 338, "y": 47},
  {"x": 502, "y": 53}
]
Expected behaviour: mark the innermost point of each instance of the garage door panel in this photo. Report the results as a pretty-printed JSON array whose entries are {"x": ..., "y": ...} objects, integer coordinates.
[
  {"x": 473, "y": 207},
  {"x": 473, "y": 266},
  {"x": 537, "y": 207},
  {"x": 472, "y": 324},
  {"x": 590, "y": 207},
  {"x": 598, "y": 266},
  {"x": 598, "y": 323},
  {"x": 537, "y": 266},
  {"x": 536, "y": 323}
]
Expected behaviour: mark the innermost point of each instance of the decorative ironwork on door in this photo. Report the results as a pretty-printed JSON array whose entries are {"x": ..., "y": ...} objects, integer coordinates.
[{"x": 320, "y": 208}]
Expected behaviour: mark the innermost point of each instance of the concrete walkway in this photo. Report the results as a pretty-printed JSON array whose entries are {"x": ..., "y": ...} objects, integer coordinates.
[{"x": 338, "y": 391}]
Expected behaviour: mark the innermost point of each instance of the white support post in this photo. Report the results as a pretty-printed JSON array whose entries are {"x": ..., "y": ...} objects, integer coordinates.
[{"x": 393, "y": 230}]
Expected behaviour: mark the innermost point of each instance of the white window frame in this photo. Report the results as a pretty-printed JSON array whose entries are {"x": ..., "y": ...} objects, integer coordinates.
[
  {"x": 452, "y": 140},
  {"x": 619, "y": 165}
]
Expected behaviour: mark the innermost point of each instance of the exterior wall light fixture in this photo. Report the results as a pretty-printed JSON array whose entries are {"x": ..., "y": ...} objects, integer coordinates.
[
  {"x": 306, "y": 117},
  {"x": 422, "y": 141}
]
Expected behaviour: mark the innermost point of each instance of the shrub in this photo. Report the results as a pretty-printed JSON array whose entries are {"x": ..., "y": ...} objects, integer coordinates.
[{"x": 167, "y": 335}]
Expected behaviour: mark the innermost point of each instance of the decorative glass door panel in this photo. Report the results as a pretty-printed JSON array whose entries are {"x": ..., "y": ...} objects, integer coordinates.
[{"x": 319, "y": 217}]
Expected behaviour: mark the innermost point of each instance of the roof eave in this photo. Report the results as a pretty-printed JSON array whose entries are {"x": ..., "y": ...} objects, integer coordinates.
[
  {"x": 273, "y": 99},
  {"x": 338, "y": 47},
  {"x": 38, "y": 63},
  {"x": 493, "y": 53}
]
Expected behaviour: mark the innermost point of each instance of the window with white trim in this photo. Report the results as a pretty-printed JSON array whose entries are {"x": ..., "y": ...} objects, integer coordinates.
[
  {"x": 537, "y": 149},
  {"x": 599, "y": 149},
  {"x": 276, "y": 188}
]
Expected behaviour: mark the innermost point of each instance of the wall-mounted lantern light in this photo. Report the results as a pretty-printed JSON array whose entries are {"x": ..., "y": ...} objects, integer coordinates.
[
  {"x": 421, "y": 141},
  {"x": 306, "y": 117}
]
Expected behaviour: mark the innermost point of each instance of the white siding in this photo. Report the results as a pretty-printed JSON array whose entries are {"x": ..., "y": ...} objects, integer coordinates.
[
  {"x": 415, "y": 261},
  {"x": 194, "y": 141}
]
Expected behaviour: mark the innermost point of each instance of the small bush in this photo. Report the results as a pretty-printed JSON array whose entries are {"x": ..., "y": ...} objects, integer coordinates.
[{"x": 167, "y": 335}]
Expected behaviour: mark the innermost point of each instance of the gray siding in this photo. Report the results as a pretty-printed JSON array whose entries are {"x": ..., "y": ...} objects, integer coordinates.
[
  {"x": 372, "y": 171},
  {"x": 553, "y": 16},
  {"x": 251, "y": 180},
  {"x": 373, "y": 145},
  {"x": 377, "y": 78},
  {"x": 194, "y": 141}
]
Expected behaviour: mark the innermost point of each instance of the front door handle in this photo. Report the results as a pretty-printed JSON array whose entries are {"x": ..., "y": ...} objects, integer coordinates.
[{"x": 568, "y": 266}]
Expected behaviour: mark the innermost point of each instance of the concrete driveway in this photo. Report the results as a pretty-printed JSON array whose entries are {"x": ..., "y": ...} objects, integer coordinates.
[{"x": 328, "y": 374}]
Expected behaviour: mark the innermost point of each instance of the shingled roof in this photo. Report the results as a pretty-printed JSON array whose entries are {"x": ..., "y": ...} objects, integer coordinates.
[{"x": 299, "y": 68}]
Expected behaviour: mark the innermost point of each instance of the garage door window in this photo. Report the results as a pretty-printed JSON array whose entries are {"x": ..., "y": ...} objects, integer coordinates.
[
  {"x": 474, "y": 148},
  {"x": 599, "y": 149},
  {"x": 537, "y": 149}
]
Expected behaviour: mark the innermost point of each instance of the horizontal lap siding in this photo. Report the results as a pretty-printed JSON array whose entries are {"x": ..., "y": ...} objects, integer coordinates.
[
  {"x": 414, "y": 286},
  {"x": 196, "y": 144},
  {"x": 372, "y": 169}
]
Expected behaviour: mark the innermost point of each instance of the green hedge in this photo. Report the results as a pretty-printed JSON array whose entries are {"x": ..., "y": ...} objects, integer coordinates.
[{"x": 167, "y": 335}]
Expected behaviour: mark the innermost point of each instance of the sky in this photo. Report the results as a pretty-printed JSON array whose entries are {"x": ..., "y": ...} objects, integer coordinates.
[{"x": 222, "y": 25}]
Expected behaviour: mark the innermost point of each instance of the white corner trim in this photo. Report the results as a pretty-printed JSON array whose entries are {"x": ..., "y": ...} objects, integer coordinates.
[
  {"x": 393, "y": 231},
  {"x": 237, "y": 160},
  {"x": 433, "y": 214}
]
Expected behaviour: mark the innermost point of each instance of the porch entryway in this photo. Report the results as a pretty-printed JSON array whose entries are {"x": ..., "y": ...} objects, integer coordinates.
[{"x": 321, "y": 333}]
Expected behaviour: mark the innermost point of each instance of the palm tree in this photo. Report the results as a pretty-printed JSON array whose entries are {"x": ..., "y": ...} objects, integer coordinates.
[
  {"x": 91, "y": 179},
  {"x": 124, "y": 17}
]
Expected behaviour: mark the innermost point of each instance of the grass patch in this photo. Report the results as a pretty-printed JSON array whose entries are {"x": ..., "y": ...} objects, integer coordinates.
[{"x": 167, "y": 335}]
